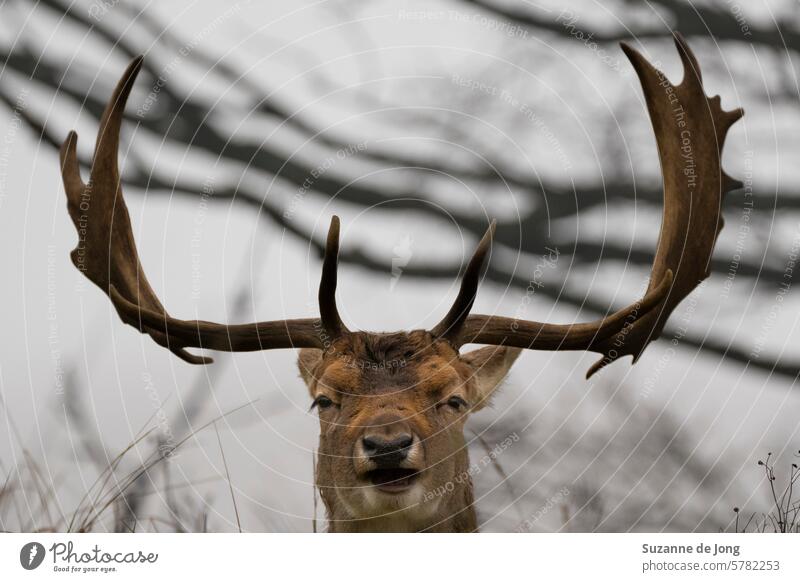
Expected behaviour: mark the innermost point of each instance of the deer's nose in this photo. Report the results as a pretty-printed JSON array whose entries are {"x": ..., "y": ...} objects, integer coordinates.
[{"x": 387, "y": 451}]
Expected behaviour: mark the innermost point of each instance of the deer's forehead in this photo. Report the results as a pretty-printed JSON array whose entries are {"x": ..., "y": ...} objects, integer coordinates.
[
  {"x": 338, "y": 374},
  {"x": 429, "y": 374}
]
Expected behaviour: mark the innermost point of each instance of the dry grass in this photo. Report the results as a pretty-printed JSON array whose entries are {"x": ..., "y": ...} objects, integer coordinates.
[
  {"x": 784, "y": 515},
  {"x": 113, "y": 501}
]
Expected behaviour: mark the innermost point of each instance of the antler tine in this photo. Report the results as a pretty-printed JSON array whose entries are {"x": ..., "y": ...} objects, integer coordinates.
[
  {"x": 690, "y": 131},
  {"x": 71, "y": 169},
  {"x": 106, "y": 253},
  {"x": 329, "y": 314},
  {"x": 450, "y": 327},
  {"x": 105, "y": 167}
]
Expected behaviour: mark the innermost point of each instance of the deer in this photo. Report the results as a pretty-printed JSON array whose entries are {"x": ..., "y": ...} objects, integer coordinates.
[{"x": 392, "y": 407}]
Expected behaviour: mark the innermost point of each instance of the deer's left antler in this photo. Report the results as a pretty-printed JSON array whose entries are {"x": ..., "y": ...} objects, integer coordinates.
[{"x": 690, "y": 131}]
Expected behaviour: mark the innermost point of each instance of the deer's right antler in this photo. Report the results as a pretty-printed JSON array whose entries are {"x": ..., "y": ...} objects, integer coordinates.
[{"x": 107, "y": 255}]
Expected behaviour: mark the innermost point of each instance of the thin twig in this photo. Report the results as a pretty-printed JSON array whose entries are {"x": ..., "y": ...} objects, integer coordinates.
[{"x": 228, "y": 477}]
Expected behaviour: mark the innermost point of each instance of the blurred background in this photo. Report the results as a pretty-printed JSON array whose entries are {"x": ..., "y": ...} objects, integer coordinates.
[{"x": 417, "y": 123}]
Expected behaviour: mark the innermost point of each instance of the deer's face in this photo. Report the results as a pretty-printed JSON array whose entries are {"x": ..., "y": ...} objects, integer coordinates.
[{"x": 392, "y": 409}]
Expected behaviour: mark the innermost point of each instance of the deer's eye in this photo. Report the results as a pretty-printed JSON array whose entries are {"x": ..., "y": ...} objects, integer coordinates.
[
  {"x": 456, "y": 402},
  {"x": 322, "y": 402}
]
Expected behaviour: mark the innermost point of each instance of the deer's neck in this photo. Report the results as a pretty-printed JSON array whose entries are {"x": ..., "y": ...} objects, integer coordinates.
[{"x": 447, "y": 509}]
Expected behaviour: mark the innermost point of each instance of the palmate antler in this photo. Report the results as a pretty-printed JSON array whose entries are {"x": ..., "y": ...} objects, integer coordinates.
[
  {"x": 690, "y": 130},
  {"x": 107, "y": 255}
]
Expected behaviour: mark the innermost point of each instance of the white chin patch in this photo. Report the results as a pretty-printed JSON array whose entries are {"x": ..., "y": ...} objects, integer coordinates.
[{"x": 377, "y": 502}]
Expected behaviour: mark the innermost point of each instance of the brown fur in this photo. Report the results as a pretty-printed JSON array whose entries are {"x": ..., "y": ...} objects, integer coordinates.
[{"x": 390, "y": 383}]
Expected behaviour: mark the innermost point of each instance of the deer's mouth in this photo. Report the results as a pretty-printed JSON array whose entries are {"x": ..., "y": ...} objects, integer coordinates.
[{"x": 394, "y": 480}]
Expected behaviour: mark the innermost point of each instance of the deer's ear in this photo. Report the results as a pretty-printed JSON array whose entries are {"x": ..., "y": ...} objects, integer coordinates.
[
  {"x": 489, "y": 366},
  {"x": 307, "y": 361}
]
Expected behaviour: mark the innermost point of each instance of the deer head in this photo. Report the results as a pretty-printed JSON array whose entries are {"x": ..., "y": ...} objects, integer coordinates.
[{"x": 392, "y": 406}]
